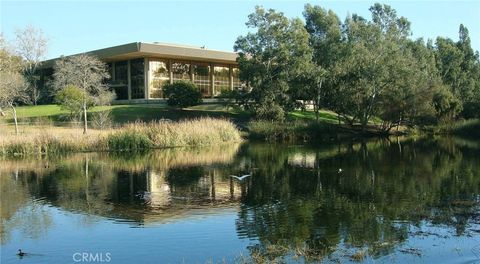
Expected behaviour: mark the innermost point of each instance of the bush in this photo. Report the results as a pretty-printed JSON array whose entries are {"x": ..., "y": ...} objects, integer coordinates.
[
  {"x": 271, "y": 112},
  {"x": 102, "y": 120},
  {"x": 182, "y": 94}
]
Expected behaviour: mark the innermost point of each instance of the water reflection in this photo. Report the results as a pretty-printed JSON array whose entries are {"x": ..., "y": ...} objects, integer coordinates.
[{"x": 297, "y": 203}]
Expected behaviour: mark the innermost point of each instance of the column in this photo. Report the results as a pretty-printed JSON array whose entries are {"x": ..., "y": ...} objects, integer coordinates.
[{"x": 146, "y": 74}]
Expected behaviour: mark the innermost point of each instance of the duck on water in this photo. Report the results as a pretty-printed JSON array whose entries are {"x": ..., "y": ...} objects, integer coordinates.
[{"x": 21, "y": 253}]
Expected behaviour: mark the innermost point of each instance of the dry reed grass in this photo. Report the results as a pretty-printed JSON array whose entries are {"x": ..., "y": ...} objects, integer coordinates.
[{"x": 37, "y": 140}]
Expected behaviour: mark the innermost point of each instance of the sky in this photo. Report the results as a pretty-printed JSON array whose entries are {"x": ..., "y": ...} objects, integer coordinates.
[{"x": 78, "y": 26}]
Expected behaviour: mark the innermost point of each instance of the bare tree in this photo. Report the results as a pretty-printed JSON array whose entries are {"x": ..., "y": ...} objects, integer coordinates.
[
  {"x": 13, "y": 88},
  {"x": 83, "y": 71},
  {"x": 31, "y": 45}
]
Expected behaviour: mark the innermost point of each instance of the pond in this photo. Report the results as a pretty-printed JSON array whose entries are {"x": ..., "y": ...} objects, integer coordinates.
[{"x": 397, "y": 200}]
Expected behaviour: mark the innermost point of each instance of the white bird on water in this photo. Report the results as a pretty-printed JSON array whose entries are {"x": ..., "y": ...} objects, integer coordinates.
[
  {"x": 241, "y": 178},
  {"x": 340, "y": 170}
]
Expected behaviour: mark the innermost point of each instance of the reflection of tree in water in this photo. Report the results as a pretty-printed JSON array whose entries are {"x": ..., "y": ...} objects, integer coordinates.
[
  {"x": 382, "y": 190},
  {"x": 112, "y": 185}
]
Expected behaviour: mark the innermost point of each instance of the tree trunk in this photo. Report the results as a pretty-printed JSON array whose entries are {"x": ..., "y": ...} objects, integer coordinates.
[
  {"x": 85, "y": 117},
  {"x": 15, "y": 118}
]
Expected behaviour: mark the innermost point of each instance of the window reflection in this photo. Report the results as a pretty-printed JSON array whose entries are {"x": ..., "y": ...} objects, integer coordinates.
[
  {"x": 202, "y": 78},
  {"x": 159, "y": 76},
  {"x": 222, "y": 79},
  {"x": 181, "y": 71},
  {"x": 137, "y": 78},
  {"x": 120, "y": 84},
  {"x": 237, "y": 84}
]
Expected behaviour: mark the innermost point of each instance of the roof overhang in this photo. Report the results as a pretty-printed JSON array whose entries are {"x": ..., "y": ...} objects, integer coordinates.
[{"x": 158, "y": 50}]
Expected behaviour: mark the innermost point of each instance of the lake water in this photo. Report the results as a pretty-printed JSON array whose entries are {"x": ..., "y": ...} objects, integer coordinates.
[{"x": 382, "y": 201}]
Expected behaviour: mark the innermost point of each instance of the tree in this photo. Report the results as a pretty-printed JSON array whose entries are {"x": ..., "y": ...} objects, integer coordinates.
[
  {"x": 270, "y": 60},
  {"x": 325, "y": 37},
  {"x": 459, "y": 67},
  {"x": 85, "y": 72},
  {"x": 12, "y": 84},
  {"x": 31, "y": 45},
  {"x": 71, "y": 99}
]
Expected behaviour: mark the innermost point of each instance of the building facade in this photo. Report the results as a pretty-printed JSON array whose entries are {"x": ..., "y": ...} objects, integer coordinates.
[{"x": 139, "y": 70}]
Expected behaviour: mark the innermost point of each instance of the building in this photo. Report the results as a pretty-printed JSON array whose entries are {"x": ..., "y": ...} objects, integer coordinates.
[{"x": 139, "y": 70}]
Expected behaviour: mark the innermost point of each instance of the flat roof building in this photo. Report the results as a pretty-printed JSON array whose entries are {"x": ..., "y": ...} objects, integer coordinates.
[{"x": 139, "y": 70}]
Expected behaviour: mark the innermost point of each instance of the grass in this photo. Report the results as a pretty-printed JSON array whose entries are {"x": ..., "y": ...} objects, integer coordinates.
[
  {"x": 39, "y": 140},
  {"x": 151, "y": 112},
  {"x": 324, "y": 116},
  {"x": 129, "y": 113}
]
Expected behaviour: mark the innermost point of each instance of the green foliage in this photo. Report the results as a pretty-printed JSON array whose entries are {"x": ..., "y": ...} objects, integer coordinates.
[
  {"x": 271, "y": 58},
  {"x": 373, "y": 70},
  {"x": 269, "y": 111},
  {"x": 182, "y": 94},
  {"x": 446, "y": 105},
  {"x": 459, "y": 67},
  {"x": 71, "y": 98}
]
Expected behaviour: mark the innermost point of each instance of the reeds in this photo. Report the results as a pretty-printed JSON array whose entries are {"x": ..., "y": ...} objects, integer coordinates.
[{"x": 137, "y": 136}]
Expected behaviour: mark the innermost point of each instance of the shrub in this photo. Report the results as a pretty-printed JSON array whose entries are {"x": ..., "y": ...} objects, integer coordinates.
[
  {"x": 182, "y": 94},
  {"x": 102, "y": 120},
  {"x": 271, "y": 112}
]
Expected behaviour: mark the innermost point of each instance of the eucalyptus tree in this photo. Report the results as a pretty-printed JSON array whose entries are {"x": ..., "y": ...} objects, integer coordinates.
[
  {"x": 13, "y": 89},
  {"x": 325, "y": 37},
  {"x": 459, "y": 67},
  {"x": 31, "y": 46},
  {"x": 85, "y": 72},
  {"x": 271, "y": 59},
  {"x": 361, "y": 73}
]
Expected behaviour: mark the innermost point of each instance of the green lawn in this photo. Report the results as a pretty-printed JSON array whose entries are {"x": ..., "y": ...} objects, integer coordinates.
[
  {"x": 325, "y": 116},
  {"x": 149, "y": 112},
  {"x": 131, "y": 113}
]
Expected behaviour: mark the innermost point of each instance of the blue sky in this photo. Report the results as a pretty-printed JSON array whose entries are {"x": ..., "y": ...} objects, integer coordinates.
[{"x": 77, "y": 26}]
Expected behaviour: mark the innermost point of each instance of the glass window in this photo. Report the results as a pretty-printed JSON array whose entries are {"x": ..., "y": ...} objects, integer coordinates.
[
  {"x": 181, "y": 71},
  {"x": 120, "y": 84},
  {"x": 222, "y": 79},
  {"x": 110, "y": 72},
  {"x": 237, "y": 84},
  {"x": 201, "y": 78},
  {"x": 137, "y": 78},
  {"x": 159, "y": 76}
]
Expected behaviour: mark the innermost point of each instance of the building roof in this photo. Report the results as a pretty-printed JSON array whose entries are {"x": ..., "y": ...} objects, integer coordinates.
[{"x": 163, "y": 50}]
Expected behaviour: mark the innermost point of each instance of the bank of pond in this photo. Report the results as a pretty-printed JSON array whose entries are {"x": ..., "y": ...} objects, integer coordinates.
[{"x": 37, "y": 139}]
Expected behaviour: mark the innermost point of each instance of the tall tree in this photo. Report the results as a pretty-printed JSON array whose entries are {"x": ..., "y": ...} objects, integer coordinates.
[
  {"x": 271, "y": 59},
  {"x": 12, "y": 84},
  {"x": 31, "y": 45},
  {"x": 325, "y": 37},
  {"x": 85, "y": 72},
  {"x": 459, "y": 67}
]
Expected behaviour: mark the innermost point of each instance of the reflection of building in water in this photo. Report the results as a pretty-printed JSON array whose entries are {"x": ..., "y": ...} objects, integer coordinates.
[
  {"x": 158, "y": 188},
  {"x": 212, "y": 185},
  {"x": 304, "y": 160}
]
